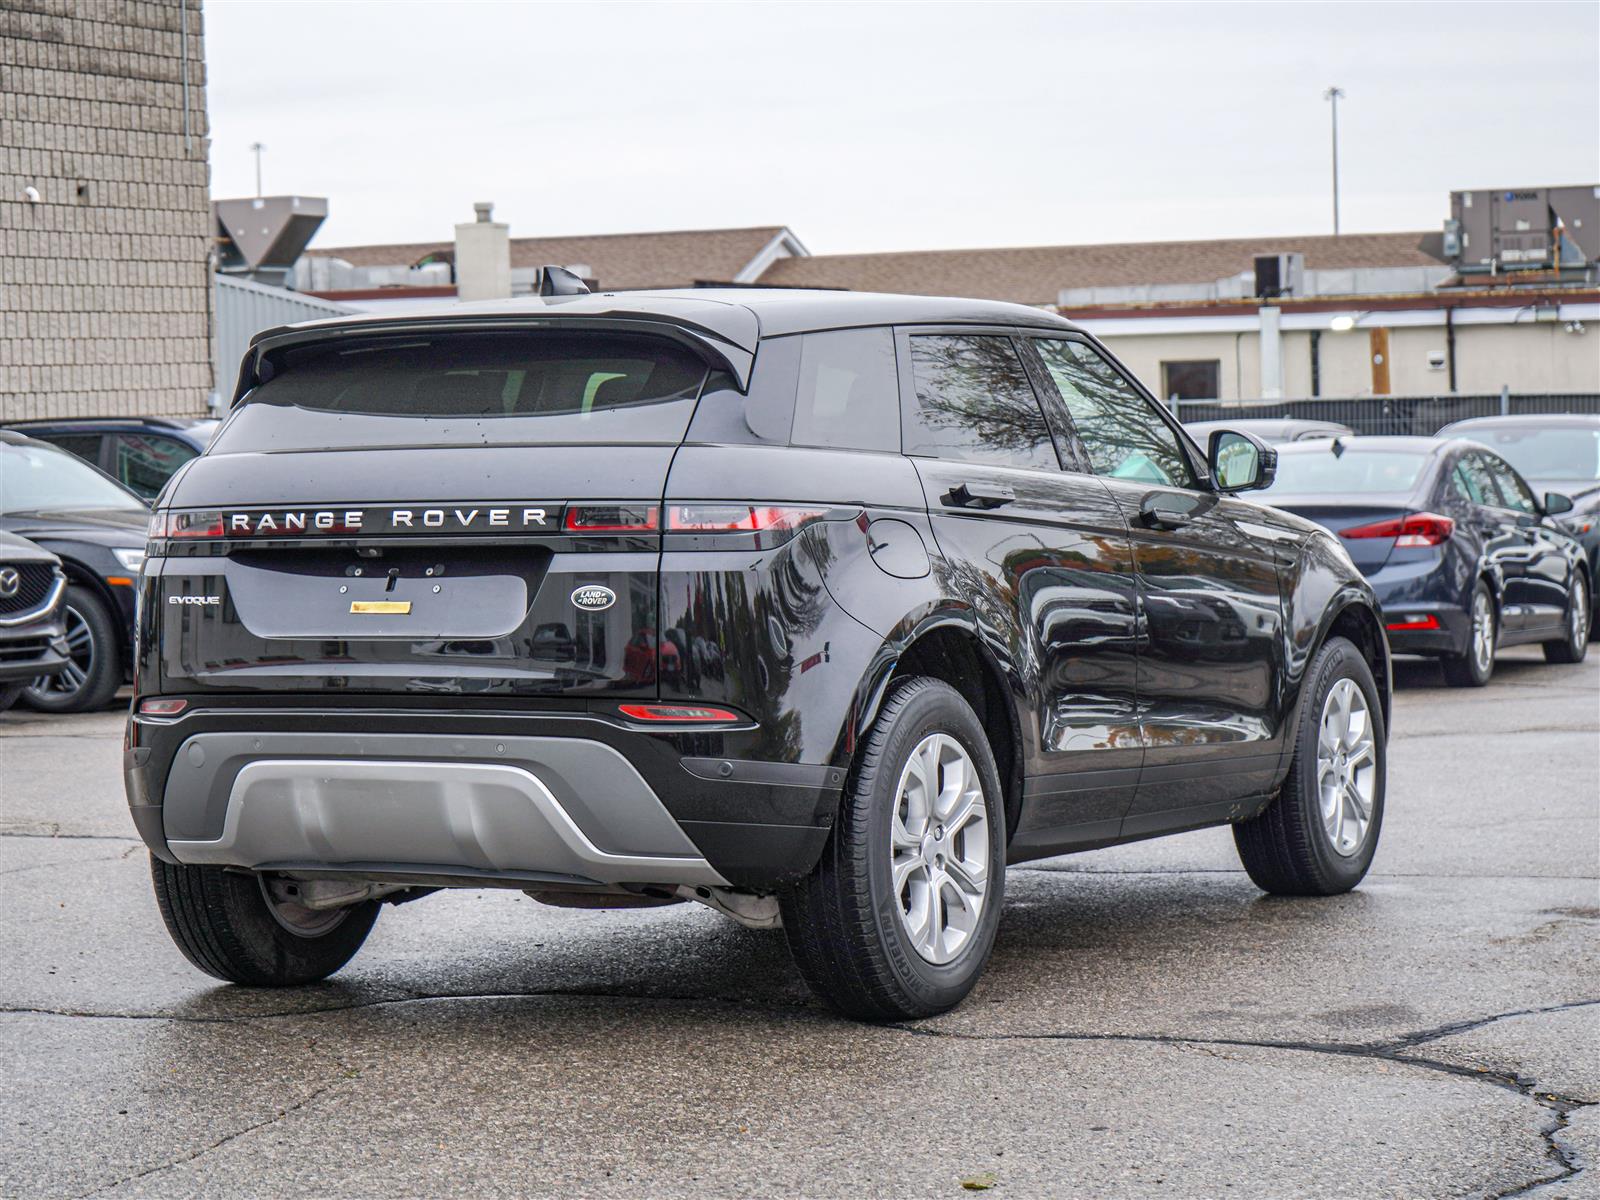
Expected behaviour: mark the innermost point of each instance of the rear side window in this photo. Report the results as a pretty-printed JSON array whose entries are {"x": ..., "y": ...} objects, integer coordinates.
[
  {"x": 1472, "y": 482},
  {"x": 848, "y": 395},
  {"x": 526, "y": 387},
  {"x": 146, "y": 461},
  {"x": 973, "y": 403}
]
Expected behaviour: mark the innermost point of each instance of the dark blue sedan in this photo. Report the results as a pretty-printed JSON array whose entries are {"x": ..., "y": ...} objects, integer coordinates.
[{"x": 1462, "y": 554}]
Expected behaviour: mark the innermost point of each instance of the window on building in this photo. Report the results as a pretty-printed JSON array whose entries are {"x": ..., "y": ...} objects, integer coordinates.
[
  {"x": 974, "y": 404},
  {"x": 1192, "y": 380}
]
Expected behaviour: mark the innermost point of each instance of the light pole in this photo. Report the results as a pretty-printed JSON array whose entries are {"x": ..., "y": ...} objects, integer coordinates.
[
  {"x": 1332, "y": 95},
  {"x": 258, "y": 147}
]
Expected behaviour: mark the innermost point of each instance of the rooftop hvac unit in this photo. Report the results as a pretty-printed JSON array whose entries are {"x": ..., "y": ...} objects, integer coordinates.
[
  {"x": 1279, "y": 275},
  {"x": 261, "y": 237},
  {"x": 1523, "y": 229}
]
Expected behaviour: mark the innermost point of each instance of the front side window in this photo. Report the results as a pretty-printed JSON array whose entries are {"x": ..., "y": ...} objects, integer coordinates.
[
  {"x": 974, "y": 403},
  {"x": 1124, "y": 436},
  {"x": 1513, "y": 492}
]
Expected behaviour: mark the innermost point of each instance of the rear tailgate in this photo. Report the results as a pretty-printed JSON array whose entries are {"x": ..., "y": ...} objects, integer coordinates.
[{"x": 438, "y": 551}]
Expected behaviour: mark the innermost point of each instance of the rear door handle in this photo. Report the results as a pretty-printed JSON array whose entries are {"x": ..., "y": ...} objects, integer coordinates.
[{"x": 978, "y": 495}]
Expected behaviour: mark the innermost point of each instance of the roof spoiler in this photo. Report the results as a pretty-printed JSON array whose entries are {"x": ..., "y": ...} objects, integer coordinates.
[{"x": 725, "y": 354}]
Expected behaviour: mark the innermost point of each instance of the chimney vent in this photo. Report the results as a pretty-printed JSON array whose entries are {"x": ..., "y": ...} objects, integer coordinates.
[{"x": 484, "y": 210}]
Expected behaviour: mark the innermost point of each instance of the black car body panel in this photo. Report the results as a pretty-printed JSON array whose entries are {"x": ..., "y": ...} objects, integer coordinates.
[
  {"x": 759, "y": 572},
  {"x": 1527, "y": 558},
  {"x": 1555, "y": 453},
  {"x": 32, "y": 584}
]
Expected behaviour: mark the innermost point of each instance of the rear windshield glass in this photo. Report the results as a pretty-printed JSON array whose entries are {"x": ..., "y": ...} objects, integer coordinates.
[
  {"x": 465, "y": 387},
  {"x": 1572, "y": 453},
  {"x": 1322, "y": 472}
]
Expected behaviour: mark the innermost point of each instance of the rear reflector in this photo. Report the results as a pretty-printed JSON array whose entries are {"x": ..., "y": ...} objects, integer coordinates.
[
  {"x": 612, "y": 518},
  {"x": 679, "y": 713},
  {"x": 739, "y": 518},
  {"x": 162, "y": 708},
  {"x": 1418, "y": 529},
  {"x": 1426, "y": 621}
]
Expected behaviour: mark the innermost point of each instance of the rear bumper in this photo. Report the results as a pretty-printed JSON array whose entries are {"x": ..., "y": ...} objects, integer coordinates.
[
  {"x": 552, "y": 799},
  {"x": 1409, "y": 594}
]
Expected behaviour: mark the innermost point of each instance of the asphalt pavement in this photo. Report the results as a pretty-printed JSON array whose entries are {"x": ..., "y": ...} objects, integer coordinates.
[{"x": 1150, "y": 1024}]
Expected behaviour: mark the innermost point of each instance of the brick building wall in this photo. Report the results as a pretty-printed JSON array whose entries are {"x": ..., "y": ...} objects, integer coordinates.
[{"x": 104, "y": 283}]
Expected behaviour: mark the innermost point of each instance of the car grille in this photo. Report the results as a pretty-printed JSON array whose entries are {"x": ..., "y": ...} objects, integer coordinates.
[
  {"x": 33, "y": 587},
  {"x": 23, "y": 650}
]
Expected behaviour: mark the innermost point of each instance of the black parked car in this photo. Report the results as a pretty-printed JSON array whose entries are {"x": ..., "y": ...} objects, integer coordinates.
[
  {"x": 33, "y": 641},
  {"x": 868, "y": 596},
  {"x": 97, "y": 528},
  {"x": 141, "y": 453},
  {"x": 1462, "y": 554},
  {"x": 1557, "y": 454}
]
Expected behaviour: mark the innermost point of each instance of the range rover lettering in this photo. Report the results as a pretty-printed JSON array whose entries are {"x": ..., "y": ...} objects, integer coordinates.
[{"x": 818, "y": 609}]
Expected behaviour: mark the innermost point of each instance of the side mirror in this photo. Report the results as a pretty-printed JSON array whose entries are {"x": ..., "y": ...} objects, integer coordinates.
[
  {"x": 1240, "y": 462},
  {"x": 1556, "y": 503}
]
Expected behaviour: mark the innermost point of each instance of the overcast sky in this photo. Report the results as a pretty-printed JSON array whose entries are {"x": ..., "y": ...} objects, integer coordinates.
[{"x": 897, "y": 126}]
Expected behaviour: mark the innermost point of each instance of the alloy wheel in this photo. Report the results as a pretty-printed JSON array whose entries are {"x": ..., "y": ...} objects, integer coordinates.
[
  {"x": 1578, "y": 617},
  {"x": 939, "y": 848},
  {"x": 80, "y": 659},
  {"x": 1347, "y": 767},
  {"x": 1482, "y": 631}
]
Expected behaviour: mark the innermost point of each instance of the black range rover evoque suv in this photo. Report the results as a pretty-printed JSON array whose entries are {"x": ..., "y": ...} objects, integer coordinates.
[{"x": 815, "y": 608}]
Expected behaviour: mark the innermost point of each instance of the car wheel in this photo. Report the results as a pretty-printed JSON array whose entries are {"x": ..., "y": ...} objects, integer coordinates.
[
  {"x": 1572, "y": 647},
  {"x": 898, "y": 917},
  {"x": 235, "y": 926},
  {"x": 1318, "y": 835},
  {"x": 1473, "y": 666},
  {"x": 94, "y": 670}
]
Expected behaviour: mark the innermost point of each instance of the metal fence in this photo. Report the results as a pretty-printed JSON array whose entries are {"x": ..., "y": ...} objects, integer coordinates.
[
  {"x": 244, "y": 309},
  {"x": 1424, "y": 415}
]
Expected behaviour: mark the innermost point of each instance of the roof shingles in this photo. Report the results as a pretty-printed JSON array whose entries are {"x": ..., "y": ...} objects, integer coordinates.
[
  {"x": 1036, "y": 274},
  {"x": 619, "y": 261}
]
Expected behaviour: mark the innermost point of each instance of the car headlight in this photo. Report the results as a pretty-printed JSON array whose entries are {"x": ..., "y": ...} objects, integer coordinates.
[{"x": 131, "y": 560}]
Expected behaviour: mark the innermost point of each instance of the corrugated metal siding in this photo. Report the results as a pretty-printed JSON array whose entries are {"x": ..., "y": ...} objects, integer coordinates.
[{"x": 243, "y": 310}]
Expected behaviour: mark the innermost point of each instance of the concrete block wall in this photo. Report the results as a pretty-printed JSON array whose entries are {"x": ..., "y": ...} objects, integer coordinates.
[{"x": 104, "y": 283}]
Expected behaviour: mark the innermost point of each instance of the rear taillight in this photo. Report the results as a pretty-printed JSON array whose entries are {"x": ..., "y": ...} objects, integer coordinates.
[
  {"x": 1413, "y": 623},
  {"x": 161, "y": 708},
  {"x": 678, "y": 713},
  {"x": 1418, "y": 529},
  {"x": 185, "y": 525},
  {"x": 612, "y": 518},
  {"x": 739, "y": 518}
]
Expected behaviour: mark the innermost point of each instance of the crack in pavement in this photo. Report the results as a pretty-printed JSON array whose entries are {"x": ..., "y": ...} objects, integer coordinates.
[{"x": 1393, "y": 1050}]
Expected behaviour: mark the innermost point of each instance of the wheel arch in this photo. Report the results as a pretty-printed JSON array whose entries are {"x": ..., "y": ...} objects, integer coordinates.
[
  {"x": 1361, "y": 626},
  {"x": 947, "y": 645}
]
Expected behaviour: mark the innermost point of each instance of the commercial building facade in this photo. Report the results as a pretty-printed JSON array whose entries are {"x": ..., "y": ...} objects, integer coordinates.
[{"x": 105, "y": 223}]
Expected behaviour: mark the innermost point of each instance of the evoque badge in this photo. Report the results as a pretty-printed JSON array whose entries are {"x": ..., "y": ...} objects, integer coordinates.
[{"x": 593, "y": 597}]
